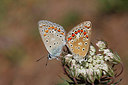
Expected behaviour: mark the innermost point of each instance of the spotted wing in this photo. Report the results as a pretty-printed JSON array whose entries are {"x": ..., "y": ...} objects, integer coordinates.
[
  {"x": 78, "y": 39},
  {"x": 53, "y": 36}
]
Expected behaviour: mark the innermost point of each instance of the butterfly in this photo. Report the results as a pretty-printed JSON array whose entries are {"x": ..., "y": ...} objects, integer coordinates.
[
  {"x": 78, "y": 39},
  {"x": 54, "y": 38}
]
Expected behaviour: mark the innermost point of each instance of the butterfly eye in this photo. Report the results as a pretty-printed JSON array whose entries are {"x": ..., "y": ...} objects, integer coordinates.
[
  {"x": 50, "y": 46},
  {"x": 83, "y": 49},
  {"x": 71, "y": 45}
]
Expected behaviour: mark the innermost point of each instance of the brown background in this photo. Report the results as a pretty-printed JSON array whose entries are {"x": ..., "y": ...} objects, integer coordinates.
[{"x": 21, "y": 45}]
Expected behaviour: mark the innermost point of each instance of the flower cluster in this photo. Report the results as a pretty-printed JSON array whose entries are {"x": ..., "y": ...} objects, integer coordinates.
[
  {"x": 94, "y": 65},
  {"x": 108, "y": 54}
]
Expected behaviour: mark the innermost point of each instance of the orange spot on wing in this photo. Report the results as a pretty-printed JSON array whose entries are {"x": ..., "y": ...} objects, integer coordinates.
[
  {"x": 44, "y": 34},
  {"x": 62, "y": 33},
  {"x": 86, "y": 36},
  {"x": 40, "y": 26},
  {"x": 76, "y": 32},
  {"x": 52, "y": 27},
  {"x": 73, "y": 35},
  {"x": 84, "y": 33},
  {"x": 87, "y": 27},
  {"x": 69, "y": 38},
  {"x": 55, "y": 28},
  {"x": 58, "y": 30},
  {"x": 81, "y": 30},
  {"x": 46, "y": 31}
]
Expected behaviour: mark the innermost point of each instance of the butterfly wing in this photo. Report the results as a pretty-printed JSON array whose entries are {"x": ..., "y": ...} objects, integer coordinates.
[
  {"x": 78, "y": 39},
  {"x": 53, "y": 36}
]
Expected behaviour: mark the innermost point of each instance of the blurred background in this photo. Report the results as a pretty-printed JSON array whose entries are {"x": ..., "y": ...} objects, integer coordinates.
[{"x": 21, "y": 44}]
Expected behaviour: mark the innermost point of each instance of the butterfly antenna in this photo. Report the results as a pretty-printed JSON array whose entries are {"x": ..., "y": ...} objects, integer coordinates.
[{"x": 39, "y": 59}]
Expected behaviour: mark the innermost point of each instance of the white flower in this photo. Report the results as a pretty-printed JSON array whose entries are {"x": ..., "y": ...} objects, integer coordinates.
[
  {"x": 77, "y": 58},
  {"x": 89, "y": 71},
  {"x": 97, "y": 71},
  {"x": 97, "y": 66},
  {"x": 68, "y": 58},
  {"x": 87, "y": 65},
  {"x": 104, "y": 73},
  {"x": 90, "y": 60},
  {"x": 73, "y": 62},
  {"x": 102, "y": 62},
  {"x": 89, "y": 56},
  {"x": 81, "y": 71},
  {"x": 106, "y": 51},
  {"x": 99, "y": 56},
  {"x": 105, "y": 67},
  {"x": 91, "y": 52},
  {"x": 82, "y": 60},
  {"x": 101, "y": 44},
  {"x": 94, "y": 57},
  {"x": 92, "y": 48},
  {"x": 94, "y": 62},
  {"x": 111, "y": 55},
  {"x": 98, "y": 61},
  {"x": 90, "y": 65},
  {"x": 69, "y": 55},
  {"x": 106, "y": 58}
]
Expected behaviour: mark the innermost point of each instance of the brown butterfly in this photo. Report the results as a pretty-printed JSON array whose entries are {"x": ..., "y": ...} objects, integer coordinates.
[{"x": 78, "y": 39}]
